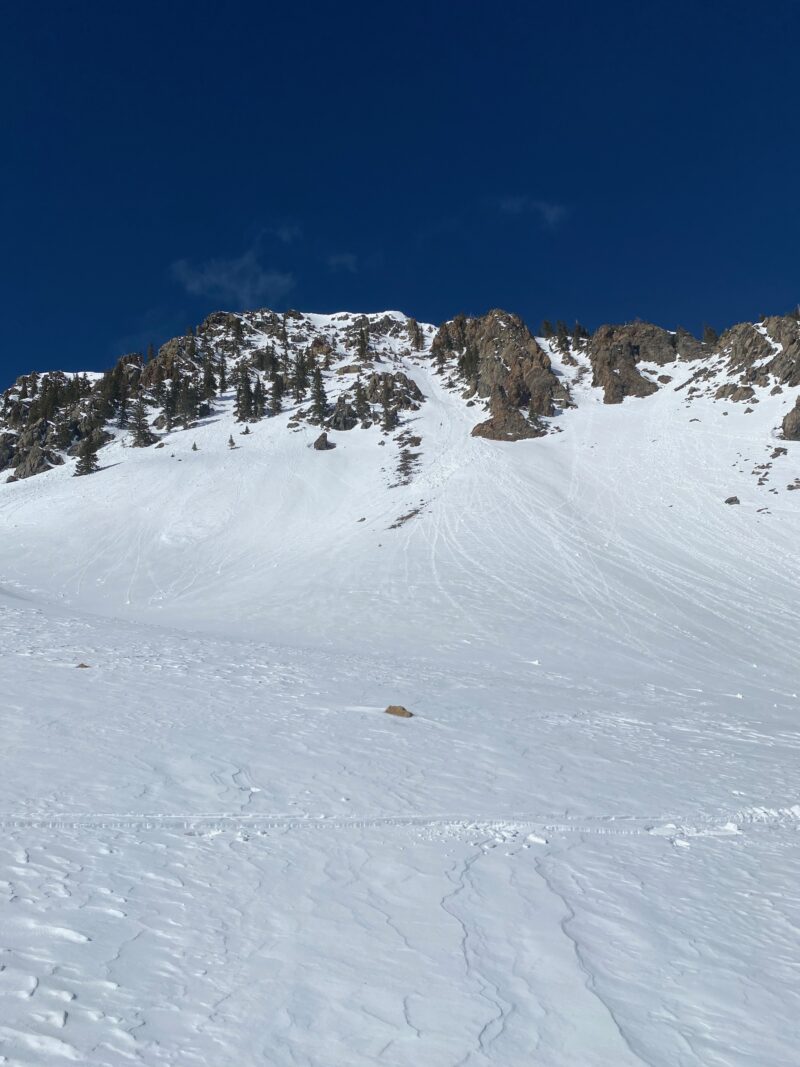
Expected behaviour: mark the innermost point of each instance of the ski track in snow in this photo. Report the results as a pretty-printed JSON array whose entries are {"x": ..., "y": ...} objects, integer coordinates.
[{"x": 583, "y": 849}]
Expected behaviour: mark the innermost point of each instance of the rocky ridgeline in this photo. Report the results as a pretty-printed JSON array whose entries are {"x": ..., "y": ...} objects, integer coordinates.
[
  {"x": 344, "y": 372},
  {"x": 730, "y": 367},
  {"x": 271, "y": 363}
]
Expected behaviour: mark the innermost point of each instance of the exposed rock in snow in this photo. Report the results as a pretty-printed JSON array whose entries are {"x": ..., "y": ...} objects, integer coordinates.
[
  {"x": 791, "y": 423},
  {"x": 506, "y": 423},
  {"x": 322, "y": 444}
]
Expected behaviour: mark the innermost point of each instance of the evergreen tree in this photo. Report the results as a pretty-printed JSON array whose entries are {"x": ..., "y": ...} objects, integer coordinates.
[
  {"x": 259, "y": 400},
  {"x": 276, "y": 399},
  {"x": 190, "y": 343},
  {"x": 187, "y": 403},
  {"x": 142, "y": 435},
  {"x": 231, "y": 442},
  {"x": 87, "y": 457},
  {"x": 319, "y": 401},
  {"x": 710, "y": 335},
  {"x": 243, "y": 408},
  {"x": 300, "y": 376},
  {"x": 194, "y": 447},
  {"x": 238, "y": 334},
  {"x": 170, "y": 401},
  {"x": 415, "y": 335},
  {"x": 245, "y": 431},
  {"x": 562, "y": 334},
  {"x": 547, "y": 328},
  {"x": 363, "y": 339},
  {"x": 209, "y": 381},
  {"x": 223, "y": 373},
  {"x": 63, "y": 435},
  {"x": 270, "y": 359},
  {"x": 124, "y": 398},
  {"x": 389, "y": 418}
]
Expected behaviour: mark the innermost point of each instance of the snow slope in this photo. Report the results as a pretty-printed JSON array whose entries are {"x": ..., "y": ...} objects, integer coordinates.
[{"x": 582, "y": 850}]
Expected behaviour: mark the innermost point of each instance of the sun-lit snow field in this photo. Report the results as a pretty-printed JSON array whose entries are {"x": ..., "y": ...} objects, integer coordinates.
[{"x": 582, "y": 851}]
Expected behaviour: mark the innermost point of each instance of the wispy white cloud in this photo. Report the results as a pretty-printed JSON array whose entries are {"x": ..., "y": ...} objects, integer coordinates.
[
  {"x": 549, "y": 213},
  {"x": 287, "y": 233},
  {"x": 241, "y": 281},
  {"x": 345, "y": 261}
]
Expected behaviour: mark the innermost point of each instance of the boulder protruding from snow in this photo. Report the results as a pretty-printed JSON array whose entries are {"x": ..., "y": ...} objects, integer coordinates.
[
  {"x": 322, "y": 444},
  {"x": 399, "y": 711}
]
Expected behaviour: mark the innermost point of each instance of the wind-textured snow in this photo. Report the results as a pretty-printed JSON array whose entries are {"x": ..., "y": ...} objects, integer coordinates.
[{"x": 582, "y": 851}]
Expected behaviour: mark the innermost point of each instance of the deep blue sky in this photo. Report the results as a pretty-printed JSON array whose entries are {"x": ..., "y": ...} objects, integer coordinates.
[{"x": 579, "y": 159}]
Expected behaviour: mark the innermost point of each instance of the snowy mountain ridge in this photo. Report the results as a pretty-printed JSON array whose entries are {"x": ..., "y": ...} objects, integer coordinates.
[{"x": 493, "y": 361}]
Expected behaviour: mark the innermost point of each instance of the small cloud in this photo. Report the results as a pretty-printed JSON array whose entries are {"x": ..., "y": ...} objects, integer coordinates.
[
  {"x": 242, "y": 281},
  {"x": 343, "y": 261},
  {"x": 550, "y": 214},
  {"x": 287, "y": 233}
]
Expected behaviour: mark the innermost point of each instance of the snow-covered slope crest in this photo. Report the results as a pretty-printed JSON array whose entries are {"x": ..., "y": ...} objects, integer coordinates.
[
  {"x": 582, "y": 847},
  {"x": 494, "y": 362}
]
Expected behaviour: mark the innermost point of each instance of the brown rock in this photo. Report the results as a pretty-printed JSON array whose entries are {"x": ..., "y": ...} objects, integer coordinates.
[
  {"x": 344, "y": 416},
  {"x": 498, "y": 350},
  {"x": 322, "y": 444},
  {"x": 791, "y": 424},
  {"x": 507, "y": 423},
  {"x": 399, "y": 711},
  {"x": 614, "y": 352}
]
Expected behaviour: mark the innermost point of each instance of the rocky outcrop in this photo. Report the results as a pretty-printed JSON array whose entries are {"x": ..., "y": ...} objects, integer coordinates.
[
  {"x": 615, "y": 353},
  {"x": 791, "y": 424},
  {"x": 507, "y": 423},
  {"x": 764, "y": 353},
  {"x": 35, "y": 461},
  {"x": 401, "y": 391},
  {"x": 498, "y": 351},
  {"x": 8, "y": 446},
  {"x": 344, "y": 416},
  {"x": 322, "y": 444},
  {"x": 735, "y": 393},
  {"x": 785, "y": 364}
]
